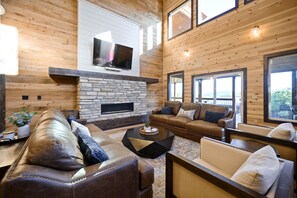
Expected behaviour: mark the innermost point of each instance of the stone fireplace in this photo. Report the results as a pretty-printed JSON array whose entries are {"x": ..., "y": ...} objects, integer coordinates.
[{"x": 102, "y": 99}]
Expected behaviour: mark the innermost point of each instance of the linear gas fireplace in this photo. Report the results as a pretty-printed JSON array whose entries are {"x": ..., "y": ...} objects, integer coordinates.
[{"x": 116, "y": 108}]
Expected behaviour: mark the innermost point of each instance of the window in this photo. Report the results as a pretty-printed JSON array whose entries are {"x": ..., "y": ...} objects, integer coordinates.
[
  {"x": 210, "y": 9},
  {"x": 280, "y": 90},
  {"x": 176, "y": 86},
  {"x": 223, "y": 88},
  {"x": 180, "y": 19}
]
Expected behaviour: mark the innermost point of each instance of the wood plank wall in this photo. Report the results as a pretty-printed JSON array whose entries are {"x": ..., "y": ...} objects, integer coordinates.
[
  {"x": 48, "y": 38},
  {"x": 226, "y": 43},
  {"x": 146, "y": 13}
]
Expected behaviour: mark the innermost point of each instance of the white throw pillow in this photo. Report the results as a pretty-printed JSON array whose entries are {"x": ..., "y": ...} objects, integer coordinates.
[
  {"x": 283, "y": 131},
  {"x": 186, "y": 114},
  {"x": 82, "y": 128},
  {"x": 259, "y": 171}
]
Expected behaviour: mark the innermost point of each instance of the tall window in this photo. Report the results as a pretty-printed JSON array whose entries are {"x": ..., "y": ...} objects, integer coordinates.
[
  {"x": 211, "y": 9},
  {"x": 176, "y": 86},
  {"x": 281, "y": 87},
  {"x": 180, "y": 19},
  {"x": 225, "y": 89}
]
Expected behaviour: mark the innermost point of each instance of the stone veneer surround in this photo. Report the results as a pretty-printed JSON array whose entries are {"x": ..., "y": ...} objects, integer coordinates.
[{"x": 92, "y": 92}]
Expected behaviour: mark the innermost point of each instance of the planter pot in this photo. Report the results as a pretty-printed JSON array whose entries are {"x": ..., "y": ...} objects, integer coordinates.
[
  {"x": 147, "y": 128},
  {"x": 23, "y": 131}
]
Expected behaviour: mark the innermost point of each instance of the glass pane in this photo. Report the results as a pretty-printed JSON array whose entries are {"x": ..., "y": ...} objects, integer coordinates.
[
  {"x": 282, "y": 87},
  {"x": 207, "y": 88},
  {"x": 238, "y": 106},
  {"x": 176, "y": 87},
  {"x": 209, "y": 9},
  {"x": 180, "y": 20},
  {"x": 224, "y": 87},
  {"x": 196, "y": 91}
]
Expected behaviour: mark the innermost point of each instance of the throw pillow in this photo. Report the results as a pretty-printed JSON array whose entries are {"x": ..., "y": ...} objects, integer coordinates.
[
  {"x": 283, "y": 131},
  {"x": 167, "y": 110},
  {"x": 259, "y": 171},
  {"x": 186, "y": 114},
  {"x": 70, "y": 118},
  {"x": 75, "y": 125},
  {"x": 91, "y": 150},
  {"x": 213, "y": 117}
]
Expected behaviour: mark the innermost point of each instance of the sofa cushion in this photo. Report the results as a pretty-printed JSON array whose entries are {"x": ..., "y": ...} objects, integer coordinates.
[
  {"x": 92, "y": 152},
  {"x": 178, "y": 121},
  {"x": 53, "y": 114},
  {"x": 186, "y": 114},
  {"x": 167, "y": 110},
  {"x": 192, "y": 106},
  {"x": 204, "y": 128},
  {"x": 146, "y": 174},
  {"x": 160, "y": 118},
  {"x": 259, "y": 171},
  {"x": 175, "y": 106},
  {"x": 213, "y": 116},
  {"x": 213, "y": 108},
  {"x": 284, "y": 131},
  {"x": 54, "y": 146}
]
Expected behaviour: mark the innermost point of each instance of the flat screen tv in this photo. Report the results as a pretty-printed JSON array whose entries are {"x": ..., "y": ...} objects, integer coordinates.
[{"x": 107, "y": 54}]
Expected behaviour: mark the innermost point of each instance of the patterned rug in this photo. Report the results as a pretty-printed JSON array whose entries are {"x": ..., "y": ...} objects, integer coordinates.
[{"x": 182, "y": 146}]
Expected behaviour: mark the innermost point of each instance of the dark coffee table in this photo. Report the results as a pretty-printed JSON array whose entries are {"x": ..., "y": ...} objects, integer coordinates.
[{"x": 149, "y": 146}]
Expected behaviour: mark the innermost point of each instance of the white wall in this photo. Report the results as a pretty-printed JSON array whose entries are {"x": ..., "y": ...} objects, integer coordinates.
[{"x": 94, "y": 21}]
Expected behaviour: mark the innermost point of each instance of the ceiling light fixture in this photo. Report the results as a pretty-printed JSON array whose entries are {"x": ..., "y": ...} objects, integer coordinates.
[
  {"x": 256, "y": 31},
  {"x": 186, "y": 53}
]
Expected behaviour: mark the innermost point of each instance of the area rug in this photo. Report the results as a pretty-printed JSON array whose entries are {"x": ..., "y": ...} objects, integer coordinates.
[{"x": 182, "y": 146}]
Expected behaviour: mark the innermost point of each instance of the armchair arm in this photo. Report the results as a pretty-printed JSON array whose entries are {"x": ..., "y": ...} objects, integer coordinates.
[
  {"x": 227, "y": 122},
  {"x": 157, "y": 111},
  {"x": 185, "y": 178},
  {"x": 214, "y": 153}
]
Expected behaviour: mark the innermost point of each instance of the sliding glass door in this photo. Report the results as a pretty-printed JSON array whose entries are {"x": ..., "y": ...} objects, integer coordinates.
[{"x": 221, "y": 89}]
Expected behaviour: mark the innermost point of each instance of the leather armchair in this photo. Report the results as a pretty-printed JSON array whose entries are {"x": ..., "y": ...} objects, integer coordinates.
[{"x": 209, "y": 176}]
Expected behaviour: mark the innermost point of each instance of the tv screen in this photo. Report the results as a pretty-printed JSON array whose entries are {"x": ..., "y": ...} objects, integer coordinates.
[{"x": 107, "y": 54}]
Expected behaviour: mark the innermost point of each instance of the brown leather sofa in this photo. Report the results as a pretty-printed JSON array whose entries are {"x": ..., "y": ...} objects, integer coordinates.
[
  {"x": 197, "y": 128},
  {"x": 122, "y": 175}
]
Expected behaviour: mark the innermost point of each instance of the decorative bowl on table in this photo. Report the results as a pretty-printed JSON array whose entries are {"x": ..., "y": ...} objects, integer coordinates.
[{"x": 149, "y": 131}]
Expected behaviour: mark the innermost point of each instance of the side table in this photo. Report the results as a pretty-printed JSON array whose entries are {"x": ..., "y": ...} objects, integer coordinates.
[
  {"x": 9, "y": 151},
  {"x": 250, "y": 145}
]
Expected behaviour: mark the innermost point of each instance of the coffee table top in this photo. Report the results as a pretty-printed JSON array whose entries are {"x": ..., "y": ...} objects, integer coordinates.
[
  {"x": 162, "y": 134},
  {"x": 150, "y": 146}
]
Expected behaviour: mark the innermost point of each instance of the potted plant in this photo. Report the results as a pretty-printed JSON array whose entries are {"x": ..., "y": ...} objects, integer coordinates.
[
  {"x": 22, "y": 119},
  {"x": 147, "y": 126}
]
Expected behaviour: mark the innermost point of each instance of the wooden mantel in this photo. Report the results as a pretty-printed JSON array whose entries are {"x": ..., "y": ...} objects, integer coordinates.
[{"x": 53, "y": 71}]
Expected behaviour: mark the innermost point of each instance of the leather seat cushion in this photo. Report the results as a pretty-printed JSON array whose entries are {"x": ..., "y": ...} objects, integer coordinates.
[
  {"x": 55, "y": 147},
  {"x": 146, "y": 174},
  {"x": 178, "y": 121},
  {"x": 205, "y": 128},
  {"x": 160, "y": 118}
]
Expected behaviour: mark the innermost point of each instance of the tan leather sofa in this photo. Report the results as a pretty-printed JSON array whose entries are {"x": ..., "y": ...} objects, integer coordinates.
[
  {"x": 122, "y": 175},
  {"x": 209, "y": 176},
  {"x": 197, "y": 128}
]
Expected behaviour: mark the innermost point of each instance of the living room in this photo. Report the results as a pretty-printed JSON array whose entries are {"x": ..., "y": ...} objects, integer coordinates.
[{"x": 233, "y": 58}]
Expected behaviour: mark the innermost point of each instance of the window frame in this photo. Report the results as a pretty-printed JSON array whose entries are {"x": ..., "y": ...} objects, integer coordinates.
[
  {"x": 244, "y": 87},
  {"x": 247, "y": 1},
  {"x": 227, "y": 11},
  {"x": 168, "y": 84},
  {"x": 168, "y": 39},
  {"x": 267, "y": 86}
]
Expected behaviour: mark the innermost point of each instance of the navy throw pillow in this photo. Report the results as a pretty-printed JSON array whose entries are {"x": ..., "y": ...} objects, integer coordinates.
[
  {"x": 70, "y": 118},
  {"x": 167, "y": 110},
  {"x": 213, "y": 117},
  {"x": 90, "y": 149}
]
